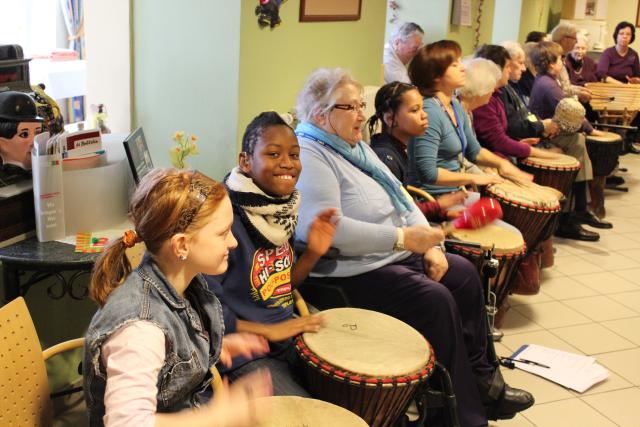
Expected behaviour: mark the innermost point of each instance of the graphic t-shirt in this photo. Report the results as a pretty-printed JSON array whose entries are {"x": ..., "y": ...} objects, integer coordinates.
[{"x": 257, "y": 284}]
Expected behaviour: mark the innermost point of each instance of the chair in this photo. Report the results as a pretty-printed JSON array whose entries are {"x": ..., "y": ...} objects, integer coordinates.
[
  {"x": 370, "y": 99},
  {"x": 24, "y": 386}
]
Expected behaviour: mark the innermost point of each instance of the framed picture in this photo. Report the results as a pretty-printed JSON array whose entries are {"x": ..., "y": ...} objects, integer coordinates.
[
  {"x": 138, "y": 154},
  {"x": 330, "y": 10}
]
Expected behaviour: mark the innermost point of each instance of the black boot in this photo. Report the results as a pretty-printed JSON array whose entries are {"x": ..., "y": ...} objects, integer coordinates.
[
  {"x": 502, "y": 401},
  {"x": 573, "y": 230}
]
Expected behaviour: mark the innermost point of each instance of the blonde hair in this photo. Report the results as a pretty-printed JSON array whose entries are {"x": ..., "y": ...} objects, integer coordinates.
[
  {"x": 318, "y": 93},
  {"x": 166, "y": 202}
]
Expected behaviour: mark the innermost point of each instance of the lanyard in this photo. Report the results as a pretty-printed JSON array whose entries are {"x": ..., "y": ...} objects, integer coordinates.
[
  {"x": 459, "y": 131},
  {"x": 324, "y": 144}
]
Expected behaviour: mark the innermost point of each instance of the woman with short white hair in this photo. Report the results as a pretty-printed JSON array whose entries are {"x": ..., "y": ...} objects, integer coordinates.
[
  {"x": 581, "y": 68},
  {"x": 390, "y": 259}
]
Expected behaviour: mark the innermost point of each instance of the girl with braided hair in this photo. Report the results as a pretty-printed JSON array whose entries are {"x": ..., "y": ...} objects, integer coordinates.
[
  {"x": 158, "y": 330},
  {"x": 401, "y": 117}
]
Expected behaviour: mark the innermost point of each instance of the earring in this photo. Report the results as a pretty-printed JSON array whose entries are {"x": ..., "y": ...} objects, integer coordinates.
[{"x": 182, "y": 257}]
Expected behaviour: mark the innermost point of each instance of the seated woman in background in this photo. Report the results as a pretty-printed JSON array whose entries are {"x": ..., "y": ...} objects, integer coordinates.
[
  {"x": 546, "y": 93},
  {"x": 399, "y": 111},
  {"x": 436, "y": 158},
  {"x": 582, "y": 69},
  {"x": 619, "y": 63},
  {"x": 265, "y": 203},
  {"x": 158, "y": 331},
  {"x": 389, "y": 259},
  {"x": 490, "y": 119},
  {"x": 522, "y": 123}
]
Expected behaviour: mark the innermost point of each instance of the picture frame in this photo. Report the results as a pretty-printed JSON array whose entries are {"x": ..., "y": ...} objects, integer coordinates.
[
  {"x": 135, "y": 145},
  {"x": 330, "y": 10}
]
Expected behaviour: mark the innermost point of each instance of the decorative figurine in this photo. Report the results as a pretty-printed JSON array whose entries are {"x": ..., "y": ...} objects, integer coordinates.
[{"x": 19, "y": 124}]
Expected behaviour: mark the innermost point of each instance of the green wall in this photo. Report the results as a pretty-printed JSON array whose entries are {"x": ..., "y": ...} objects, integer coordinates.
[
  {"x": 466, "y": 35},
  {"x": 185, "y": 77},
  {"x": 274, "y": 64}
]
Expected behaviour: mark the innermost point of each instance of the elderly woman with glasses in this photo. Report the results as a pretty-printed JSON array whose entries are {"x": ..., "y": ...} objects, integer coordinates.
[{"x": 390, "y": 259}]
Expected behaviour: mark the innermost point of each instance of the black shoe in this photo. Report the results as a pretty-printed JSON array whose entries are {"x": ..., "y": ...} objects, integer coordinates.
[
  {"x": 573, "y": 230},
  {"x": 589, "y": 218},
  {"x": 502, "y": 401},
  {"x": 614, "y": 180}
]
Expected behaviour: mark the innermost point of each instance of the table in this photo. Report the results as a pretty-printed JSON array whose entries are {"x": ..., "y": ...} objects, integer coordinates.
[{"x": 44, "y": 260}]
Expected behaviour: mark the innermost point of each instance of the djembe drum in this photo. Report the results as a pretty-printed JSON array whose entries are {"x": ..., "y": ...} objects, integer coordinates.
[
  {"x": 527, "y": 206},
  {"x": 508, "y": 248},
  {"x": 604, "y": 152},
  {"x": 365, "y": 361},
  {"x": 300, "y": 411},
  {"x": 558, "y": 173}
]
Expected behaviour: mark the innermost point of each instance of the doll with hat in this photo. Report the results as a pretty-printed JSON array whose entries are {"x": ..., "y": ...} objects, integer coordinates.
[{"x": 19, "y": 124}]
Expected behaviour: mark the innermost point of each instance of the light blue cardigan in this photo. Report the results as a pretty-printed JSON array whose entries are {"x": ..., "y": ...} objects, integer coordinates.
[{"x": 366, "y": 232}]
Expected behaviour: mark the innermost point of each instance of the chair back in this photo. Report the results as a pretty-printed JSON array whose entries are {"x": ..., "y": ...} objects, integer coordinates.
[
  {"x": 24, "y": 386},
  {"x": 370, "y": 99}
]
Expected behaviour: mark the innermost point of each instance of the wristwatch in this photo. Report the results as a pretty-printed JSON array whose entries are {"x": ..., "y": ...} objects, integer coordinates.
[{"x": 399, "y": 245}]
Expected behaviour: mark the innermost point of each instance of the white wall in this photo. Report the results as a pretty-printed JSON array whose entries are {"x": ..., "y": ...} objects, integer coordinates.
[
  {"x": 506, "y": 20},
  {"x": 108, "y": 54}
]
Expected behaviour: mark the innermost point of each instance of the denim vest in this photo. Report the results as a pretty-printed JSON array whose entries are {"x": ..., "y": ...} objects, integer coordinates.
[{"x": 147, "y": 295}]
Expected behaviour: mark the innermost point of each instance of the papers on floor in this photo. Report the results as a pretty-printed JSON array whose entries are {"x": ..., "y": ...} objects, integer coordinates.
[{"x": 570, "y": 370}]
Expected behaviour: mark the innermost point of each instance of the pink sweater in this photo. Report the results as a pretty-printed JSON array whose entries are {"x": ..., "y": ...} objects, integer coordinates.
[{"x": 133, "y": 357}]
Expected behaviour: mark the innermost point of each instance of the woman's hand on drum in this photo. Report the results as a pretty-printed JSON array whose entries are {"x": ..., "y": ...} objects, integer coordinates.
[
  {"x": 486, "y": 179},
  {"x": 508, "y": 170},
  {"x": 551, "y": 128},
  {"x": 290, "y": 328},
  {"x": 597, "y": 132},
  {"x": 235, "y": 405},
  {"x": 242, "y": 344},
  {"x": 530, "y": 141},
  {"x": 321, "y": 232},
  {"x": 435, "y": 264},
  {"x": 420, "y": 238}
]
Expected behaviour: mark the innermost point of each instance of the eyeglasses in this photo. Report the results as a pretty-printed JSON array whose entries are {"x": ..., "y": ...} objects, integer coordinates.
[{"x": 350, "y": 107}]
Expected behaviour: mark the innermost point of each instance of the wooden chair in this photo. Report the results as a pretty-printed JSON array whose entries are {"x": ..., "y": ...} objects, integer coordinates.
[{"x": 24, "y": 386}]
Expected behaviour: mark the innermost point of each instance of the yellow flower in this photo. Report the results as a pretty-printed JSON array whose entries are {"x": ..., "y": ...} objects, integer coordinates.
[
  {"x": 178, "y": 135},
  {"x": 194, "y": 148},
  {"x": 194, "y": 138}
]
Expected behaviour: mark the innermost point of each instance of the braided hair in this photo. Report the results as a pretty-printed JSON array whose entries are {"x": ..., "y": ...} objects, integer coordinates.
[
  {"x": 388, "y": 100},
  {"x": 258, "y": 126}
]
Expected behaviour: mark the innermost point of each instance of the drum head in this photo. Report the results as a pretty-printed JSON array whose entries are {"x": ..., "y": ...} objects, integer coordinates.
[
  {"x": 299, "y": 411},
  {"x": 608, "y": 137},
  {"x": 505, "y": 241},
  {"x": 527, "y": 194},
  {"x": 562, "y": 162},
  {"x": 369, "y": 343}
]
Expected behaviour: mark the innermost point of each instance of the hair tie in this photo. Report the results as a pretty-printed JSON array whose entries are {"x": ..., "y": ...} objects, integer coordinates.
[{"x": 130, "y": 238}]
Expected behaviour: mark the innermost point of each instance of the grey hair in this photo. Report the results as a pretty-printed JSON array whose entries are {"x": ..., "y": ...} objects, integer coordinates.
[
  {"x": 482, "y": 75},
  {"x": 562, "y": 30},
  {"x": 514, "y": 49},
  {"x": 582, "y": 37},
  {"x": 318, "y": 93},
  {"x": 405, "y": 31}
]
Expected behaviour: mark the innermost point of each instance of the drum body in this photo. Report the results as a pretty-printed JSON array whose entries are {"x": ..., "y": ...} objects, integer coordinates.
[
  {"x": 556, "y": 173},
  {"x": 300, "y": 411},
  {"x": 604, "y": 152},
  {"x": 365, "y": 361},
  {"x": 508, "y": 248},
  {"x": 528, "y": 207}
]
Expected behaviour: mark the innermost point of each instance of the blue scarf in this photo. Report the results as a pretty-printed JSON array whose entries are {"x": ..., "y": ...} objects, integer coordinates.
[{"x": 359, "y": 157}]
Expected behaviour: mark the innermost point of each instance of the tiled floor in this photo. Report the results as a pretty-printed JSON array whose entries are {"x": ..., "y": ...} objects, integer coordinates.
[{"x": 589, "y": 303}]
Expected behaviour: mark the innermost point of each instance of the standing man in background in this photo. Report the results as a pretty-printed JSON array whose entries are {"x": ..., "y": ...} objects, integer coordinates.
[{"x": 400, "y": 50}]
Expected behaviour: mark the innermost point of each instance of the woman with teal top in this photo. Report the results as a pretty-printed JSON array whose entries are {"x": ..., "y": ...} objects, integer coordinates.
[{"x": 436, "y": 159}]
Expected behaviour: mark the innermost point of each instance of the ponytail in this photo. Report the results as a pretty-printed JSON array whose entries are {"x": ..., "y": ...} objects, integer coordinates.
[{"x": 110, "y": 270}]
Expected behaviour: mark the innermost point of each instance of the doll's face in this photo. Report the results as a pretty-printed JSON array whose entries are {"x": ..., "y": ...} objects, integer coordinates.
[{"x": 17, "y": 150}]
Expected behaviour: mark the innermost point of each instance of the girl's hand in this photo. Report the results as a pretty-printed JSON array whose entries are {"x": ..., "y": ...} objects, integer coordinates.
[
  {"x": 321, "y": 232},
  {"x": 451, "y": 199},
  {"x": 290, "y": 328},
  {"x": 236, "y": 405},
  {"x": 242, "y": 344}
]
